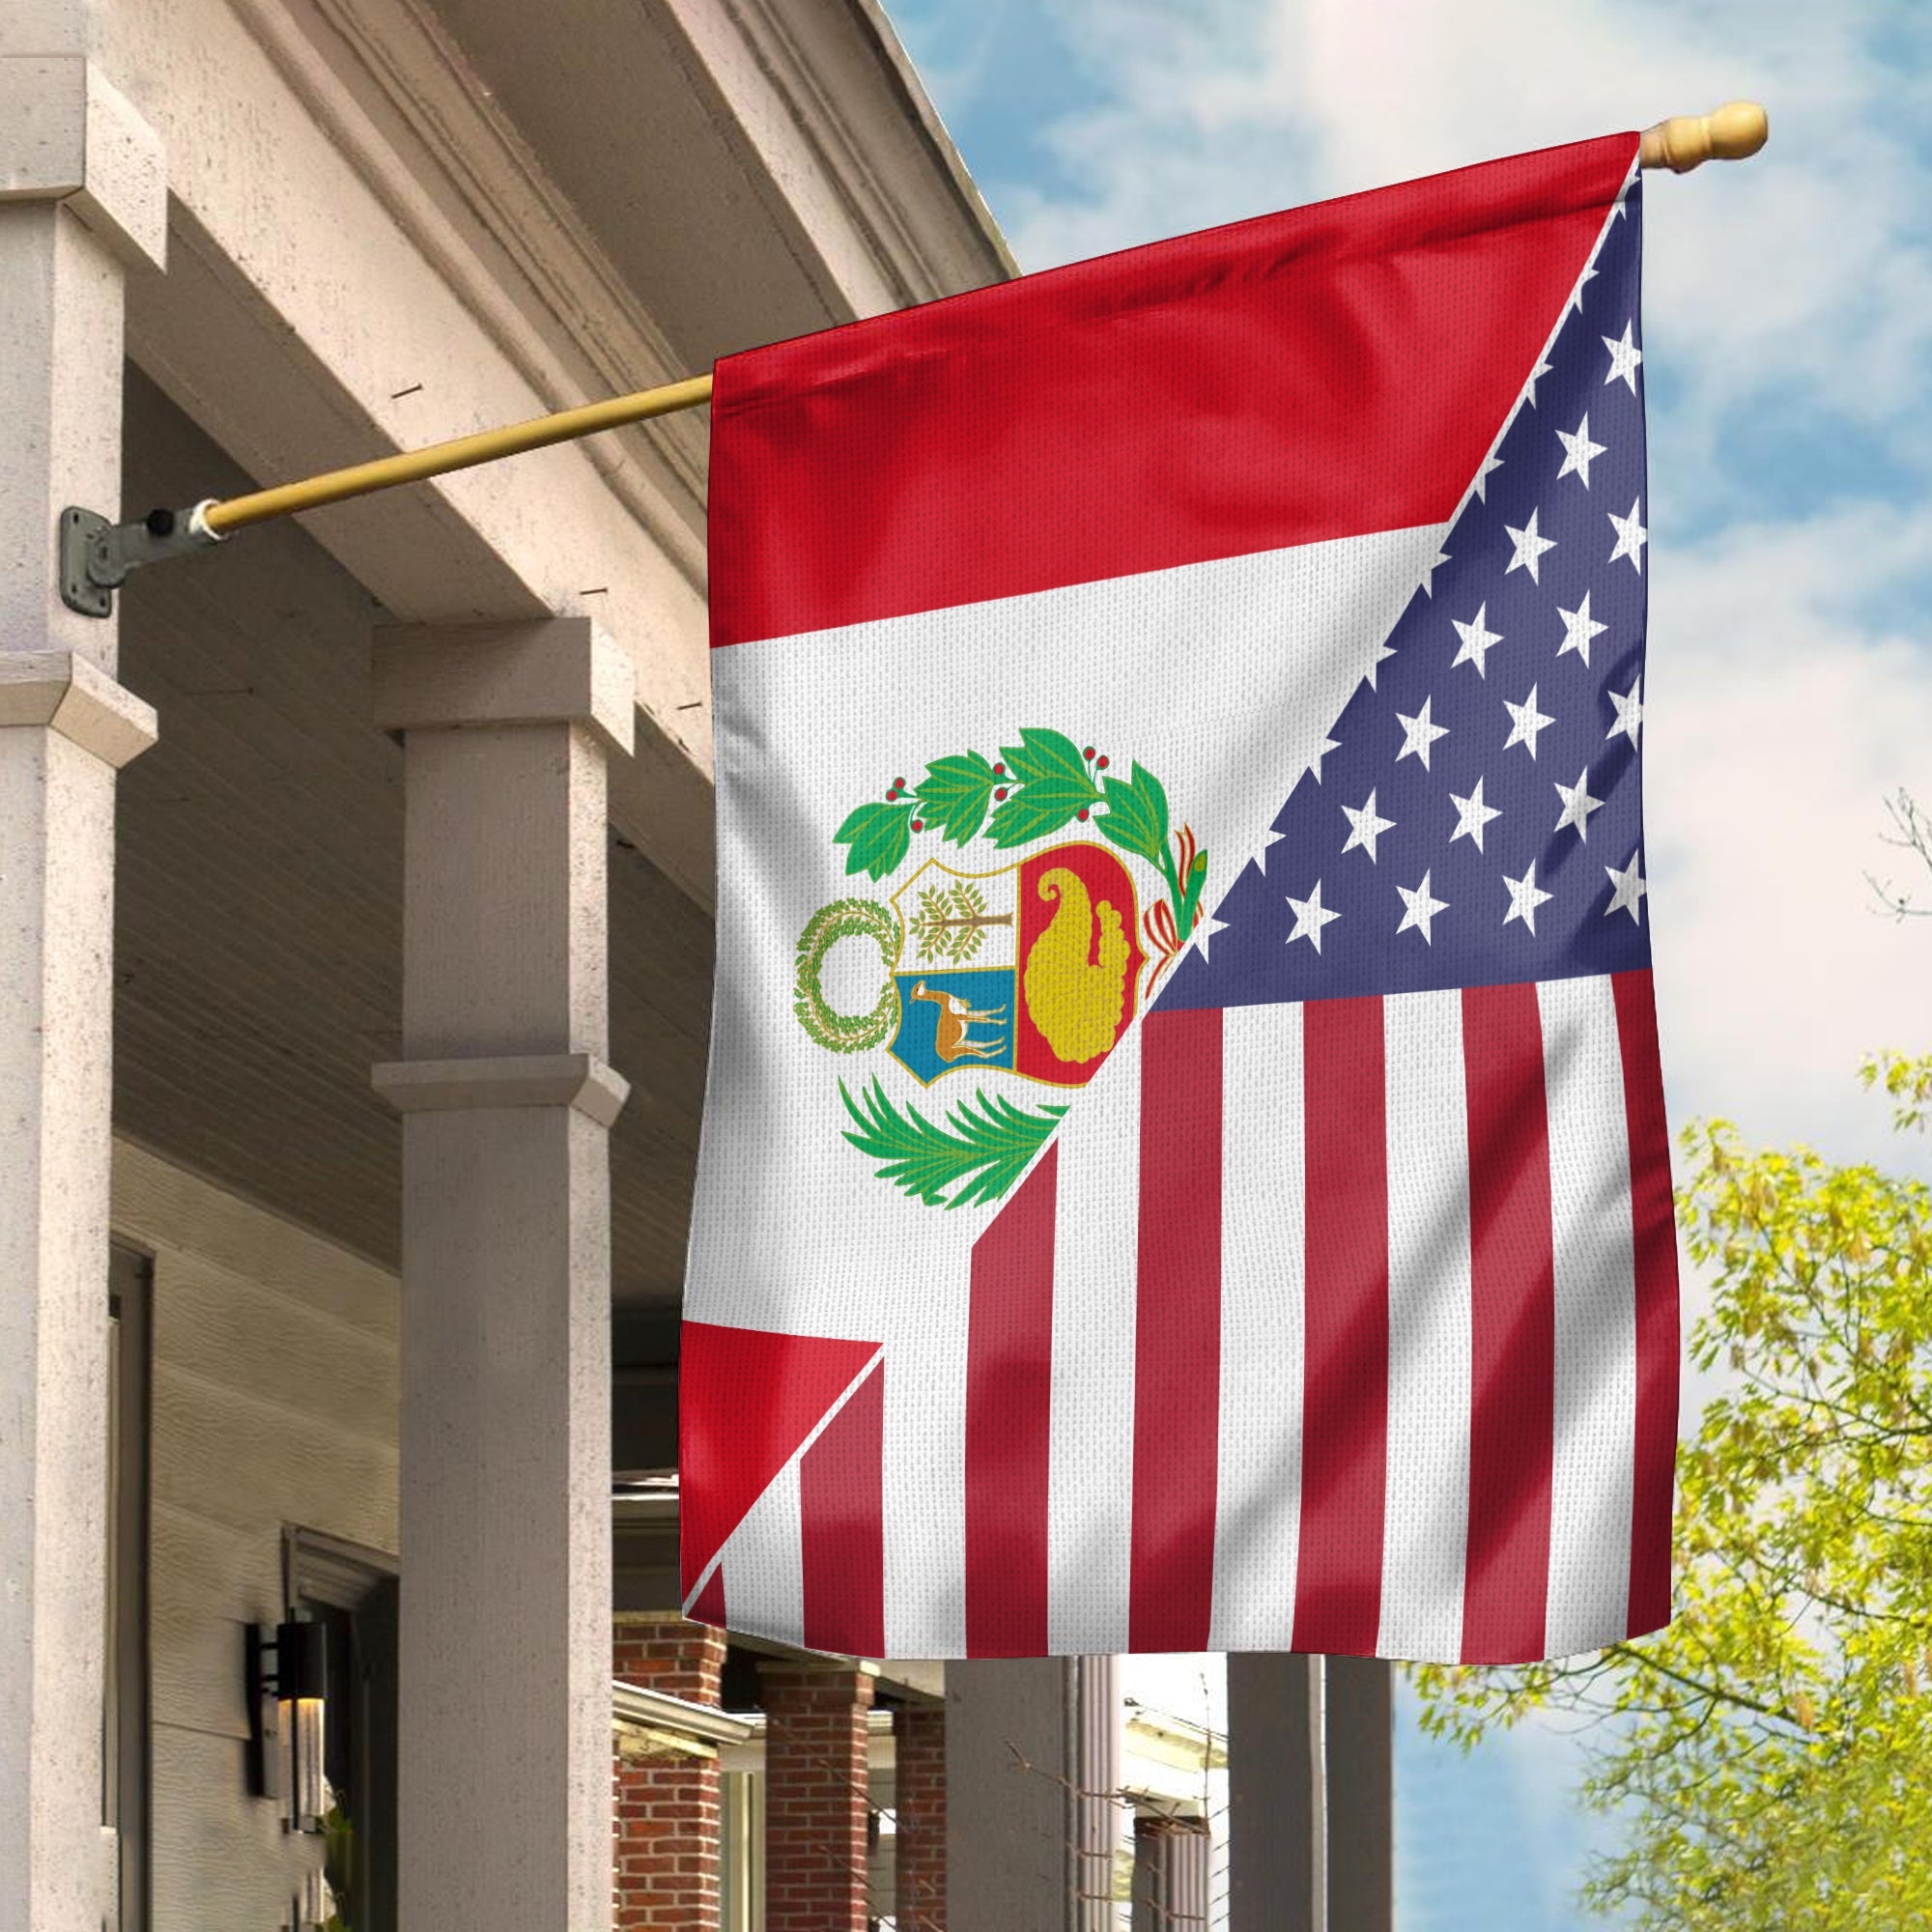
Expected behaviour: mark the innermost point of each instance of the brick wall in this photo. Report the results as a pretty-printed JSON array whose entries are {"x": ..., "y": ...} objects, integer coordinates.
[
  {"x": 666, "y": 1805},
  {"x": 816, "y": 1798},
  {"x": 919, "y": 1732}
]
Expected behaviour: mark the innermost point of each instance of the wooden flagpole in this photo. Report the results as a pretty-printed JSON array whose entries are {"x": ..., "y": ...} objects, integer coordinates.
[{"x": 1732, "y": 132}]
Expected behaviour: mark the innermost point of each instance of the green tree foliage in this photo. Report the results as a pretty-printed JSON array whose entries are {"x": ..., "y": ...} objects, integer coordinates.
[{"x": 1770, "y": 1753}]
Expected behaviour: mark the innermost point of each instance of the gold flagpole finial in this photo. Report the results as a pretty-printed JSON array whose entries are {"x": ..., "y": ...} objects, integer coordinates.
[{"x": 1736, "y": 130}]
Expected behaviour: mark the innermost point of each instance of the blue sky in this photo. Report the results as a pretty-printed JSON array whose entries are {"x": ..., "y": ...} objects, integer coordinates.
[{"x": 1788, "y": 352}]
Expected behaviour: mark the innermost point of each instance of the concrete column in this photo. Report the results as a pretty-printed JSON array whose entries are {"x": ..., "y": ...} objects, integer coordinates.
[
  {"x": 1361, "y": 1789},
  {"x": 1173, "y": 1858},
  {"x": 84, "y": 198},
  {"x": 817, "y": 1805},
  {"x": 505, "y": 1778},
  {"x": 1276, "y": 1835},
  {"x": 918, "y": 1807},
  {"x": 669, "y": 1805},
  {"x": 1032, "y": 1816}
]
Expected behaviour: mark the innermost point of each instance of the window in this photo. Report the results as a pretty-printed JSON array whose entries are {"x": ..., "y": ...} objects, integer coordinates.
[{"x": 352, "y": 1592}]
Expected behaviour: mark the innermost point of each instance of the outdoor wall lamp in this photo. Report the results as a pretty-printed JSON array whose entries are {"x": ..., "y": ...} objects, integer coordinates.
[{"x": 288, "y": 1699}]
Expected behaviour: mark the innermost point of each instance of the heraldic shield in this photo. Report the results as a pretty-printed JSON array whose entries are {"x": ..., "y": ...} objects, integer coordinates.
[{"x": 1034, "y": 969}]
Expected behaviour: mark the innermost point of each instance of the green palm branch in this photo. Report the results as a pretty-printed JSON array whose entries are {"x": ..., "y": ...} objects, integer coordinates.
[{"x": 985, "y": 1152}]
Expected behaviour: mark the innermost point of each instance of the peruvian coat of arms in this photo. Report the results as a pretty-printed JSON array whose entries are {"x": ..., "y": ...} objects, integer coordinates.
[{"x": 1030, "y": 971}]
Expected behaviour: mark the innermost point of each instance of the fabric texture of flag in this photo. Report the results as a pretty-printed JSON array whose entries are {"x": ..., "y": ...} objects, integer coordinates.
[{"x": 1184, "y": 1164}]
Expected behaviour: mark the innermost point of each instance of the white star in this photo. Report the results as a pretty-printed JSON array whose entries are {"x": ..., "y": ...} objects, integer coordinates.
[
  {"x": 1206, "y": 930},
  {"x": 1577, "y": 294},
  {"x": 1428, "y": 571},
  {"x": 1529, "y": 548},
  {"x": 1477, "y": 641},
  {"x": 1418, "y": 734},
  {"x": 1471, "y": 815},
  {"x": 1536, "y": 375},
  {"x": 1315, "y": 763},
  {"x": 1578, "y": 450},
  {"x": 1626, "y": 358},
  {"x": 1367, "y": 828},
  {"x": 1632, "y": 536},
  {"x": 1630, "y": 713},
  {"x": 1383, "y": 651},
  {"x": 1577, "y": 805},
  {"x": 1525, "y": 895},
  {"x": 1526, "y": 721},
  {"x": 1420, "y": 909},
  {"x": 1310, "y": 917},
  {"x": 1489, "y": 463},
  {"x": 1629, "y": 886},
  {"x": 1578, "y": 628}
]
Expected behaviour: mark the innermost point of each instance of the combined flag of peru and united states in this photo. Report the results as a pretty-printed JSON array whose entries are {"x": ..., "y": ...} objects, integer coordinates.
[{"x": 1184, "y": 1164}]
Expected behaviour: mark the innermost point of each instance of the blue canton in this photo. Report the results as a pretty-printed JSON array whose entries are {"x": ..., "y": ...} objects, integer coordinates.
[{"x": 1478, "y": 820}]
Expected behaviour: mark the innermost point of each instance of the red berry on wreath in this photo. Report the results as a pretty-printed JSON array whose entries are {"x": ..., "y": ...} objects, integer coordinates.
[
  {"x": 999, "y": 771},
  {"x": 890, "y": 795},
  {"x": 1080, "y": 815},
  {"x": 898, "y": 784},
  {"x": 1088, "y": 752},
  {"x": 1102, "y": 763},
  {"x": 917, "y": 825},
  {"x": 1001, "y": 792}
]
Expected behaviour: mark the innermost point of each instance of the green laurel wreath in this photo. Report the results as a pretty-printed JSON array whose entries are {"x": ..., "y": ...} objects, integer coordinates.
[
  {"x": 845, "y": 918},
  {"x": 1040, "y": 785},
  {"x": 979, "y": 1159}
]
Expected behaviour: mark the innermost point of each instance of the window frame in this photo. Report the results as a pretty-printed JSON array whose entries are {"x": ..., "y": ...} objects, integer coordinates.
[{"x": 126, "y": 1779}]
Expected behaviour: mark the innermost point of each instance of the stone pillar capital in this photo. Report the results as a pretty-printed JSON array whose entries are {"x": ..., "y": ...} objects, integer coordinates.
[
  {"x": 68, "y": 133},
  {"x": 75, "y": 699},
  {"x": 577, "y": 1080},
  {"x": 549, "y": 671}
]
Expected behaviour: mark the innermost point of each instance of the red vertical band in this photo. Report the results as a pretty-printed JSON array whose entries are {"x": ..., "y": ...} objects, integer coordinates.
[
  {"x": 1177, "y": 1333},
  {"x": 1657, "y": 1338},
  {"x": 1338, "y": 1590},
  {"x": 709, "y": 1605},
  {"x": 1008, "y": 1422},
  {"x": 1513, "y": 1359},
  {"x": 841, "y": 1526}
]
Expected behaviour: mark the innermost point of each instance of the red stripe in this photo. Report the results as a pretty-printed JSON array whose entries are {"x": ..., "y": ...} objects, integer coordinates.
[
  {"x": 708, "y": 1606},
  {"x": 1345, "y": 1428},
  {"x": 1009, "y": 1427},
  {"x": 1177, "y": 1333},
  {"x": 1329, "y": 371},
  {"x": 1513, "y": 1363},
  {"x": 1656, "y": 1319},
  {"x": 841, "y": 1526},
  {"x": 747, "y": 1398}
]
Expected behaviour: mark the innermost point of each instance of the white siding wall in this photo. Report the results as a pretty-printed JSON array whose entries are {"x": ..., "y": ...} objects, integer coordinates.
[{"x": 275, "y": 1403}]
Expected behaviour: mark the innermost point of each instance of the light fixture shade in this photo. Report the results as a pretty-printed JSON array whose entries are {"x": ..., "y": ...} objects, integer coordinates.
[{"x": 302, "y": 1691}]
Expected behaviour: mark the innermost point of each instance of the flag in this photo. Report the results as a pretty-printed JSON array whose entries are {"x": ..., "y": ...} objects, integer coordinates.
[{"x": 1184, "y": 1164}]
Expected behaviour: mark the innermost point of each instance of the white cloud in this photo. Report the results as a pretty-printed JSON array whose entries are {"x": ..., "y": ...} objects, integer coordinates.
[
  {"x": 1779, "y": 715},
  {"x": 1807, "y": 268},
  {"x": 1789, "y": 306}
]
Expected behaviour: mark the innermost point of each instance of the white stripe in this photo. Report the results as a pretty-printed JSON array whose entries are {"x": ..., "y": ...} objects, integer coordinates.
[
  {"x": 1426, "y": 1506},
  {"x": 1089, "y": 1471},
  {"x": 924, "y": 1451},
  {"x": 1258, "y": 1481},
  {"x": 766, "y": 1563},
  {"x": 1596, "y": 1318}
]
